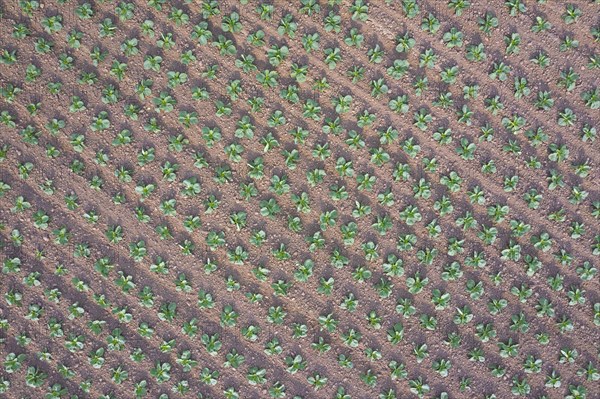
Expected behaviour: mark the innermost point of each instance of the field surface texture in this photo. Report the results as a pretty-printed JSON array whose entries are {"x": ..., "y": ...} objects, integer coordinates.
[{"x": 343, "y": 199}]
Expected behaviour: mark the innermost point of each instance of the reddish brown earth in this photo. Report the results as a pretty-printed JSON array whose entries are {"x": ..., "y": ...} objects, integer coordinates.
[{"x": 303, "y": 303}]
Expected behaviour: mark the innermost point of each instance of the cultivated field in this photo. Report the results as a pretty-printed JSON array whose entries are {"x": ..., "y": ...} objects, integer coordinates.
[{"x": 342, "y": 199}]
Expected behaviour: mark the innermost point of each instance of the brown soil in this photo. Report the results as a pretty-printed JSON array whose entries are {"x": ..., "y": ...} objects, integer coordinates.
[{"x": 303, "y": 303}]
